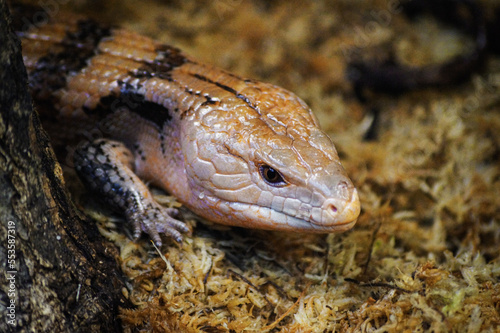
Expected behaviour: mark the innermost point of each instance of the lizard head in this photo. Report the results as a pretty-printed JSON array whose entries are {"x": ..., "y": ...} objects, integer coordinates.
[{"x": 260, "y": 160}]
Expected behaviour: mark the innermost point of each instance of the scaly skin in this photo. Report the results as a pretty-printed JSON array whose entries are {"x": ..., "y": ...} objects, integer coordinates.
[{"x": 235, "y": 151}]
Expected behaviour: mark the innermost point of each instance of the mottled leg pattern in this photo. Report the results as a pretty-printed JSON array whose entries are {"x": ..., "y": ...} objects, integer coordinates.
[{"x": 106, "y": 167}]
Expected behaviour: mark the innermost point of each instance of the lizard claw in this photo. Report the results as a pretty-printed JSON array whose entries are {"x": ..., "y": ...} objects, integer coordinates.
[{"x": 154, "y": 219}]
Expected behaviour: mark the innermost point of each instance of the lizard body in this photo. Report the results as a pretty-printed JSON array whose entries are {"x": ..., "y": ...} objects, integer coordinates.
[{"x": 235, "y": 151}]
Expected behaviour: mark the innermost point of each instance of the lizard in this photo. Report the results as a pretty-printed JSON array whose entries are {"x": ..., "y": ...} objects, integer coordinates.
[{"x": 235, "y": 151}]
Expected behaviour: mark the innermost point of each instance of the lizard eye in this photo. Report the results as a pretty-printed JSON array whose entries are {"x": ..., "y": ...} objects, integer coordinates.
[{"x": 271, "y": 176}]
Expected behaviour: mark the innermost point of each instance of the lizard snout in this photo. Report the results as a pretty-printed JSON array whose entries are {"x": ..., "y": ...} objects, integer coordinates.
[{"x": 342, "y": 211}]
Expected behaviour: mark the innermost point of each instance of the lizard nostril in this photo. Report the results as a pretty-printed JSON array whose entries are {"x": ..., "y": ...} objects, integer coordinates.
[{"x": 332, "y": 208}]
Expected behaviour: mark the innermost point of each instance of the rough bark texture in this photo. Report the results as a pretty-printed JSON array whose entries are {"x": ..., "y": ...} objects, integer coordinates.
[{"x": 61, "y": 278}]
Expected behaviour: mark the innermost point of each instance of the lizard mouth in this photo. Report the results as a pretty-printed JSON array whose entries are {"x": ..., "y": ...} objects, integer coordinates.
[
  {"x": 331, "y": 220},
  {"x": 292, "y": 223},
  {"x": 334, "y": 215}
]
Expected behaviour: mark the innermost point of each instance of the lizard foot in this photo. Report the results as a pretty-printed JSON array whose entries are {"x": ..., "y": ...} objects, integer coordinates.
[{"x": 107, "y": 168}]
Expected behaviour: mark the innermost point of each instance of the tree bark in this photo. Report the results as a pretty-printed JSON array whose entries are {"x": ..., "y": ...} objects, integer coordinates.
[{"x": 58, "y": 274}]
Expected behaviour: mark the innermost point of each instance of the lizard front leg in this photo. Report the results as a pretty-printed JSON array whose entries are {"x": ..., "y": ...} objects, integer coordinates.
[{"x": 107, "y": 168}]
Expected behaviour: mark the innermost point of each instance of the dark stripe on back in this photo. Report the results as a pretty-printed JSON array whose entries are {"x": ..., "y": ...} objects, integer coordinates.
[
  {"x": 168, "y": 58},
  {"x": 134, "y": 102},
  {"x": 229, "y": 89},
  {"x": 52, "y": 70}
]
